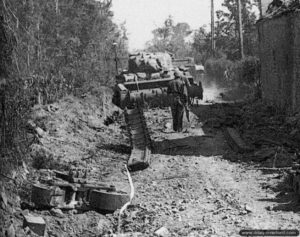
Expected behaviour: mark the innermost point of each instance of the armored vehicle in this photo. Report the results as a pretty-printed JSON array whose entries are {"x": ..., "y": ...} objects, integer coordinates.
[
  {"x": 145, "y": 84},
  {"x": 147, "y": 78}
]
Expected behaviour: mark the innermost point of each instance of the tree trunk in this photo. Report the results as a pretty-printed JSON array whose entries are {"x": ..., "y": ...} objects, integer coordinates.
[
  {"x": 3, "y": 119},
  {"x": 240, "y": 24},
  {"x": 212, "y": 27},
  {"x": 57, "y": 13},
  {"x": 260, "y": 9}
]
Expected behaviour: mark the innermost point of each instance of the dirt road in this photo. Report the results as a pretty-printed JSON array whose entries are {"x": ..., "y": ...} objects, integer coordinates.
[
  {"x": 193, "y": 190},
  {"x": 195, "y": 186}
]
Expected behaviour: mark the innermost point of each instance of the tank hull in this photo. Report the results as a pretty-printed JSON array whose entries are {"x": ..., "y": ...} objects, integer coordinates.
[{"x": 150, "y": 93}]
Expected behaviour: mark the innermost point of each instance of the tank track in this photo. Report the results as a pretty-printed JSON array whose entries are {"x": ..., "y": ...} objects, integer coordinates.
[{"x": 140, "y": 140}]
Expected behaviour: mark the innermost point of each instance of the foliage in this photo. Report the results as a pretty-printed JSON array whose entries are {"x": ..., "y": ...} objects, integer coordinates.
[
  {"x": 201, "y": 45},
  {"x": 171, "y": 37},
  {"x": 52, "y": 49},
  {"x": 226, "y": 32},
  {"x": 246, "y": 71},
  {"x": 227, "y": 28}
]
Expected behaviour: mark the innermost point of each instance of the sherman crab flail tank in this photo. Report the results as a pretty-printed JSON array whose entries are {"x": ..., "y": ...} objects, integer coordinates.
[
  {"x": 145, "y": 84},
  {"x": 146, "y": 80}
]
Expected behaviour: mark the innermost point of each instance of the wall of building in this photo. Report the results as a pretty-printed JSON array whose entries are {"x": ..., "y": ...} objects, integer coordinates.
[
  {"x": 296, "y": 60},
  {"x": 279, "y": 39}
]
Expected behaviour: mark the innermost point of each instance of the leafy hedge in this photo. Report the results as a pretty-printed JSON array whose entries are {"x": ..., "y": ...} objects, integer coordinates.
[{"x": 245, "y": 71}]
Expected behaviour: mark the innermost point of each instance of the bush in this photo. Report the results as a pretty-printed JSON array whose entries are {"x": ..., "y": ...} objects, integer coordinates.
[{"x": 247, "y": 71}]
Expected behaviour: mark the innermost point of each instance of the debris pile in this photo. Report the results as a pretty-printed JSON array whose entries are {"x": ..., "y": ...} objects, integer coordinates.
[
  {"x": 261, "y": 133},
  {"x": 75, "y": 190},
  {"x": 71, "y": 166}
]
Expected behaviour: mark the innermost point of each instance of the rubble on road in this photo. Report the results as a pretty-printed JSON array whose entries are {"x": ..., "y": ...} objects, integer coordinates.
[
  {"x": 162, "y": 232},
  {"x": 271, "y": 134},
  {"x": 261, "y": 128},
  {"x": 57, "y": 212}
]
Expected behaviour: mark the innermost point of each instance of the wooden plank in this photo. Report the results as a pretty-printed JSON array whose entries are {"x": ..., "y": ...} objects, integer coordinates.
[{"x": 235, "y": 141}]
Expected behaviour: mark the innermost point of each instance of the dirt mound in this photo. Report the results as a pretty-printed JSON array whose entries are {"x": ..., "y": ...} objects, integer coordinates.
[{"x": 71, "y": 128}]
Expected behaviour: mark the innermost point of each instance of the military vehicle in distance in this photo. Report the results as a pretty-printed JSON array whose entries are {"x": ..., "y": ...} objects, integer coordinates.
[
  {"x": 145, "y": 84},
  {"x": 147, "y": 78}
]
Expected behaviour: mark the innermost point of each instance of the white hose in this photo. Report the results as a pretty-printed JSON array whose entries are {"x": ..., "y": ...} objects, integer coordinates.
[{"x": 130, "y": 200}]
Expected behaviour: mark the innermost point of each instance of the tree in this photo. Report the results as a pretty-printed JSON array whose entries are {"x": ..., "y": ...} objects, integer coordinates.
[
  {"x": 201, "y": 45},
  {"x": 226, "y": 31},
  {"x": 171, "y": 38},
  {"x": 57, "y": 48},
  {"x": 227, "y": 28}
]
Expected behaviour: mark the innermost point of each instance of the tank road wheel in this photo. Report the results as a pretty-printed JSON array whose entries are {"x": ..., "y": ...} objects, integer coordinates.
[{"x": 108, "y": 201}]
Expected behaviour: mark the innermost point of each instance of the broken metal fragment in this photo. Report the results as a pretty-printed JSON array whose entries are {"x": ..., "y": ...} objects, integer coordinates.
[{"x": 47, "y": 196}]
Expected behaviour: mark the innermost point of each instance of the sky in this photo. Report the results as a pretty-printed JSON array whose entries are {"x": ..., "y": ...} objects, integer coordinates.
[{"x": 143, "y": 16}]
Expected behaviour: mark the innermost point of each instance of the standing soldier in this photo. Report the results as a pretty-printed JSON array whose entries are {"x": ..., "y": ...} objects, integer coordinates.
[
  {"x": 187, "y": 86},
  {"x": 185, "y": 73},
  {"x": 178, "y": 98}
]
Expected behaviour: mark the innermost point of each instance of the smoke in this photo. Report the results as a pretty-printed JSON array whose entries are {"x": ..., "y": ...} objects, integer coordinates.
[
  {"x": 213, "y": 92},
  {"x": 221, "y": 92}
]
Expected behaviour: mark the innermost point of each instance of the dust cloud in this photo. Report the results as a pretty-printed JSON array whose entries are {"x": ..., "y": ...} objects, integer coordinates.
[{"x": 214, "y": 91}]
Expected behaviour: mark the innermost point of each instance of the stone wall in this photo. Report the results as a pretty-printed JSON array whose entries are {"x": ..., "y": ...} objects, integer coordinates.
[{"x": 279, "y": 41}]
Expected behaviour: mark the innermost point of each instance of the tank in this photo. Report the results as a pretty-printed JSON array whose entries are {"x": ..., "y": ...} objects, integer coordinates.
[{"x": 147, "y": 77}]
